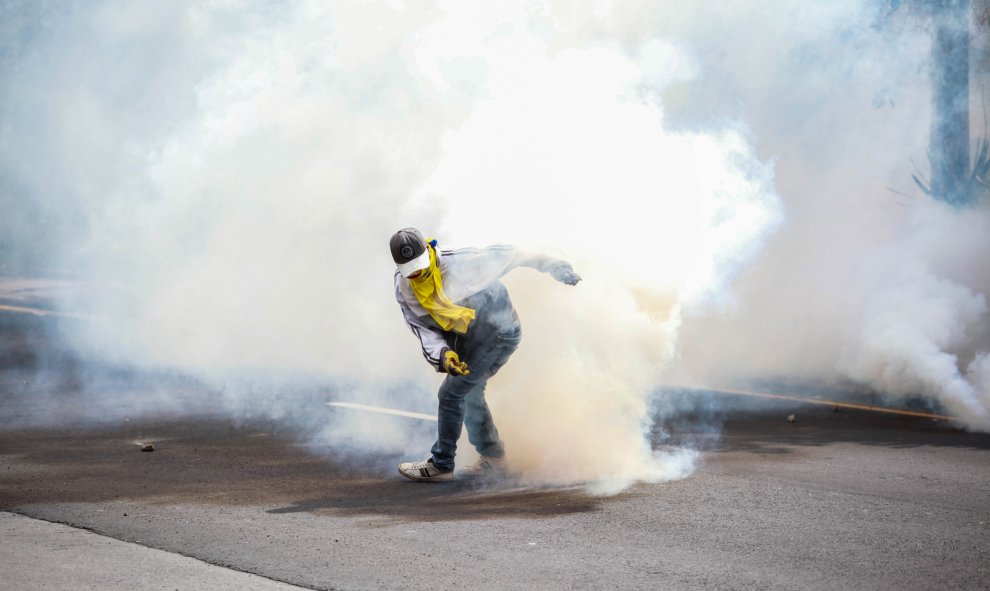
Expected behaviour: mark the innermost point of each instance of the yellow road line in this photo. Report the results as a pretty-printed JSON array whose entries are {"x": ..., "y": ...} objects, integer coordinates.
[{"x": 833, "y": 403}]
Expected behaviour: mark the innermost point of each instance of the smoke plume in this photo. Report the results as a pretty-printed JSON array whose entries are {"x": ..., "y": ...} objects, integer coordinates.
[{"x": 720, "y": 175}]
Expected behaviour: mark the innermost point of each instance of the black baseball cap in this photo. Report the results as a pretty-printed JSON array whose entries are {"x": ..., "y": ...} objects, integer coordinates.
[{"x": 409, "y": 251}]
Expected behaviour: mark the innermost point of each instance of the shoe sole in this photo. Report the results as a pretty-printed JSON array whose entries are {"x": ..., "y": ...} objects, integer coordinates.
[{"x": 445, "y": 477}]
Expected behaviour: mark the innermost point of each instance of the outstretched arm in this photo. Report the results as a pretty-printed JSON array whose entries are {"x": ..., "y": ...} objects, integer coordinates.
[
  {"x": 466, "y": 271},
  {"x": 559, "y": 269}
]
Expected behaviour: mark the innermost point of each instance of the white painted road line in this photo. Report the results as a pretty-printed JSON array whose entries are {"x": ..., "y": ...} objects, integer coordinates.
[
  {"x": 42, "y": 312},
  {"x": 385, "y": 411}
]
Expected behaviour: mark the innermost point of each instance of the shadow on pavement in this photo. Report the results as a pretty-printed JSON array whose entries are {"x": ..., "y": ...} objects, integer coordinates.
[
  {"x": 65, "y": 438},
  {"x": 217, "y": 462},
  {"x": 445, "y": 502}
]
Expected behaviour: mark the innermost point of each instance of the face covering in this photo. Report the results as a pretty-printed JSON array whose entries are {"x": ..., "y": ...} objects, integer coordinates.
[{"x": 428, "y": 288}]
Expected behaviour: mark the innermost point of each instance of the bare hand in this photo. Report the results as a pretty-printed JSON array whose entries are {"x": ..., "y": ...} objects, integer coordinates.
[{"x": 564, "y": 273}]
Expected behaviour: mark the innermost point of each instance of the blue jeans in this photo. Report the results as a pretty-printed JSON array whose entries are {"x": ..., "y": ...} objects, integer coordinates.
[{"x": 462, "y": 402}]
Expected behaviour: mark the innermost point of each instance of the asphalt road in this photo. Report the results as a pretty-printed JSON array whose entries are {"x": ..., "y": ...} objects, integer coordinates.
[{"x": 836, "y": 500}]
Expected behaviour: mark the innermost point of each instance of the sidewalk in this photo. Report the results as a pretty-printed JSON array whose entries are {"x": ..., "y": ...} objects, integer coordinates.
[{"x": 38, "y": 554}]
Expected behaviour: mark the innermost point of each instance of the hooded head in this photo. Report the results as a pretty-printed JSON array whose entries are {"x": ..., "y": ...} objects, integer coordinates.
[{"x": 409, "y": 251}]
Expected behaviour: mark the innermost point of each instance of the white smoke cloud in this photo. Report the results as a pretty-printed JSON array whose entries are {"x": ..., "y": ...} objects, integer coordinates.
[
  {"x": 917, "y": 320},
  {"x": 231, "y": 173},
  {"x": 864, "y": 285},
  {"x": 568, "y": 150}
]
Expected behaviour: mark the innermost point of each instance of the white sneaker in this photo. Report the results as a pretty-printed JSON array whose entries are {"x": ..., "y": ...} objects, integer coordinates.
[
  {"x": 425, "y": 471},
  {"x": 485, "y": 466}
]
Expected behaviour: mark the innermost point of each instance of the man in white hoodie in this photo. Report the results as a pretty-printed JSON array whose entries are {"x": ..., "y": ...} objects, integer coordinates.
[{"x": 454, "y": 303}]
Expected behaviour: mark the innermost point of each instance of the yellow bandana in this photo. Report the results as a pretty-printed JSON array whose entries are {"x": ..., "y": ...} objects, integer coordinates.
[{"x": 428, "y": 288}]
